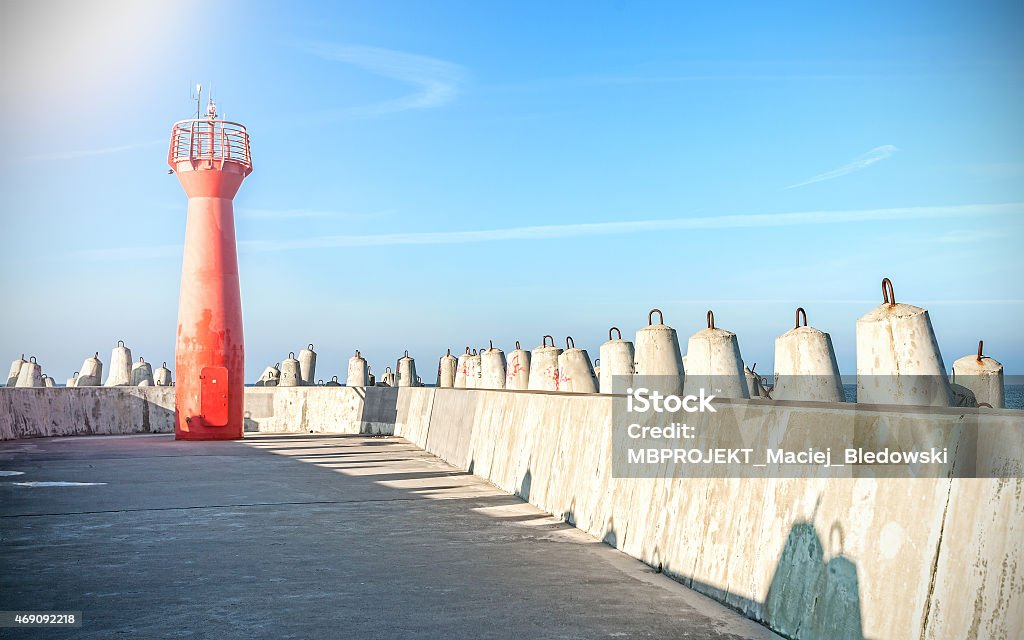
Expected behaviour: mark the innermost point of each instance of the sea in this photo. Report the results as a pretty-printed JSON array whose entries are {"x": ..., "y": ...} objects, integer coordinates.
[{"x": 1014, "y": 395}]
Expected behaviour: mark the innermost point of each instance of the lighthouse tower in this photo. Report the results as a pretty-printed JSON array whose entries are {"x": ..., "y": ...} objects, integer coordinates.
[{"x": 211, "y": 158}]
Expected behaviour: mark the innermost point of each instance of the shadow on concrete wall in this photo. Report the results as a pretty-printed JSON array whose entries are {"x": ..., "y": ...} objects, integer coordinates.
[
  {"x": 808, "y": 598},
  {"x": 249, "y": 425},
  {"x": 525, "y": 485},
  {"x": 380, "y": 409},
  {"x": 811, "y": 598}
]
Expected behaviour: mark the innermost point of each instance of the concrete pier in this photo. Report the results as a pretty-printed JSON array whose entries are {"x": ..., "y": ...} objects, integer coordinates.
[
  {"x": 344, "y": 536},
  {"x": 810, "y": 557}
]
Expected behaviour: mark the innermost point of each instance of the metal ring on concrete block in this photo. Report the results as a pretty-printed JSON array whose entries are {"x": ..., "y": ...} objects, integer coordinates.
[
  {"x": 650, "y": 319},
  {"x": 711, "y": 319},
  {"x": 616, "y": 330},
  {"x": 888, "y": 295},
  {"x": 800, "y": 312}
]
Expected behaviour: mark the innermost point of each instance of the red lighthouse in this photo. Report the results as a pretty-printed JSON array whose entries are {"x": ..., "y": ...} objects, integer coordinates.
[{"x": 211, "y": 158}]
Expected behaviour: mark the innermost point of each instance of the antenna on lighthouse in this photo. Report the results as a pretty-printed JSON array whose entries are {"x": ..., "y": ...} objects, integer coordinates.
[
  {"x": 197, "y": 95},
  {"x": 211, "y": 106}
]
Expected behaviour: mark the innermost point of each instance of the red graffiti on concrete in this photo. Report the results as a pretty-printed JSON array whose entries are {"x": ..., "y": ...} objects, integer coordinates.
[{"x": 514, "y": 370}]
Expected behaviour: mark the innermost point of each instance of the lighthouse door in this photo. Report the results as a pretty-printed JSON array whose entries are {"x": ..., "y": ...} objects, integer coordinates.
[{"x": 214, "y": 396}]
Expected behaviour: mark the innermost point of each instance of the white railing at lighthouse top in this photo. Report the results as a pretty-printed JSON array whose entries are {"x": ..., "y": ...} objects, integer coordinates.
[{"x": 218, "y": 141}]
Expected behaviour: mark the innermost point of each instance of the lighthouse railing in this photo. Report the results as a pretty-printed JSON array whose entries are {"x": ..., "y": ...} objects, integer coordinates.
[{"x": 198, "y": 140}]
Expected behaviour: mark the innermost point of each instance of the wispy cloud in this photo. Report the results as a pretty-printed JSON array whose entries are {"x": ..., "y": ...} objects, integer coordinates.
[
  {"x": 292, "y": 214},
  {"x": 101, "y": 151},
  {"x": 435, "y": 82},
  {"x": 860, "y": 162},
  {"x": 548, "y": 232}
]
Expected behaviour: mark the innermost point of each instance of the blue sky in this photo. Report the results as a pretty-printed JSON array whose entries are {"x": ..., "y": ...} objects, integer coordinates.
[{"x": 432, "y": 175}]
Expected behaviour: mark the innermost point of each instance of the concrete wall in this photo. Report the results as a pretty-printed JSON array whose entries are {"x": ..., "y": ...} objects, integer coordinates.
[
  {"x": 35, "y": 413},
  {"x": 809, "y": 557},
  {"x": 42, "y": 412},
  {"x": 321, "y": 409}
]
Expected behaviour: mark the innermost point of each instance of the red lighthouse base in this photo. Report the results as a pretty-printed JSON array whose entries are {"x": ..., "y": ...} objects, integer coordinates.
[{"x": 210, "y": 351}]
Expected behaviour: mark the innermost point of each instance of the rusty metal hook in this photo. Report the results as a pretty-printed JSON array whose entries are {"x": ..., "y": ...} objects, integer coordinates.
[
  {"x": 569, "y": 344},
  {"x": 650, "y": 317},
  {"x": 800, "y": 312},
  {"x": 616, "y": 330},
  {"x": 490, "y": 345},
  {"x": 310, "y": 347},
  {"x": 120, "y": 343},
  {"x": 888, "y": 295},
  {"x": 711, "y": 319},
  {"x": 544, "y": 341},
  {"x": 517, "y": 345},
  {"x": 980, "y": 344},
  {"x": 357, "y": 354},
  {"x": 406, "y": 355}
]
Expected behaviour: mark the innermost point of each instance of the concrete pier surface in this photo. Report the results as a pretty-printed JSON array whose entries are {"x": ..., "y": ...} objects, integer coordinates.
[{"x": 311, "y": 536}]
